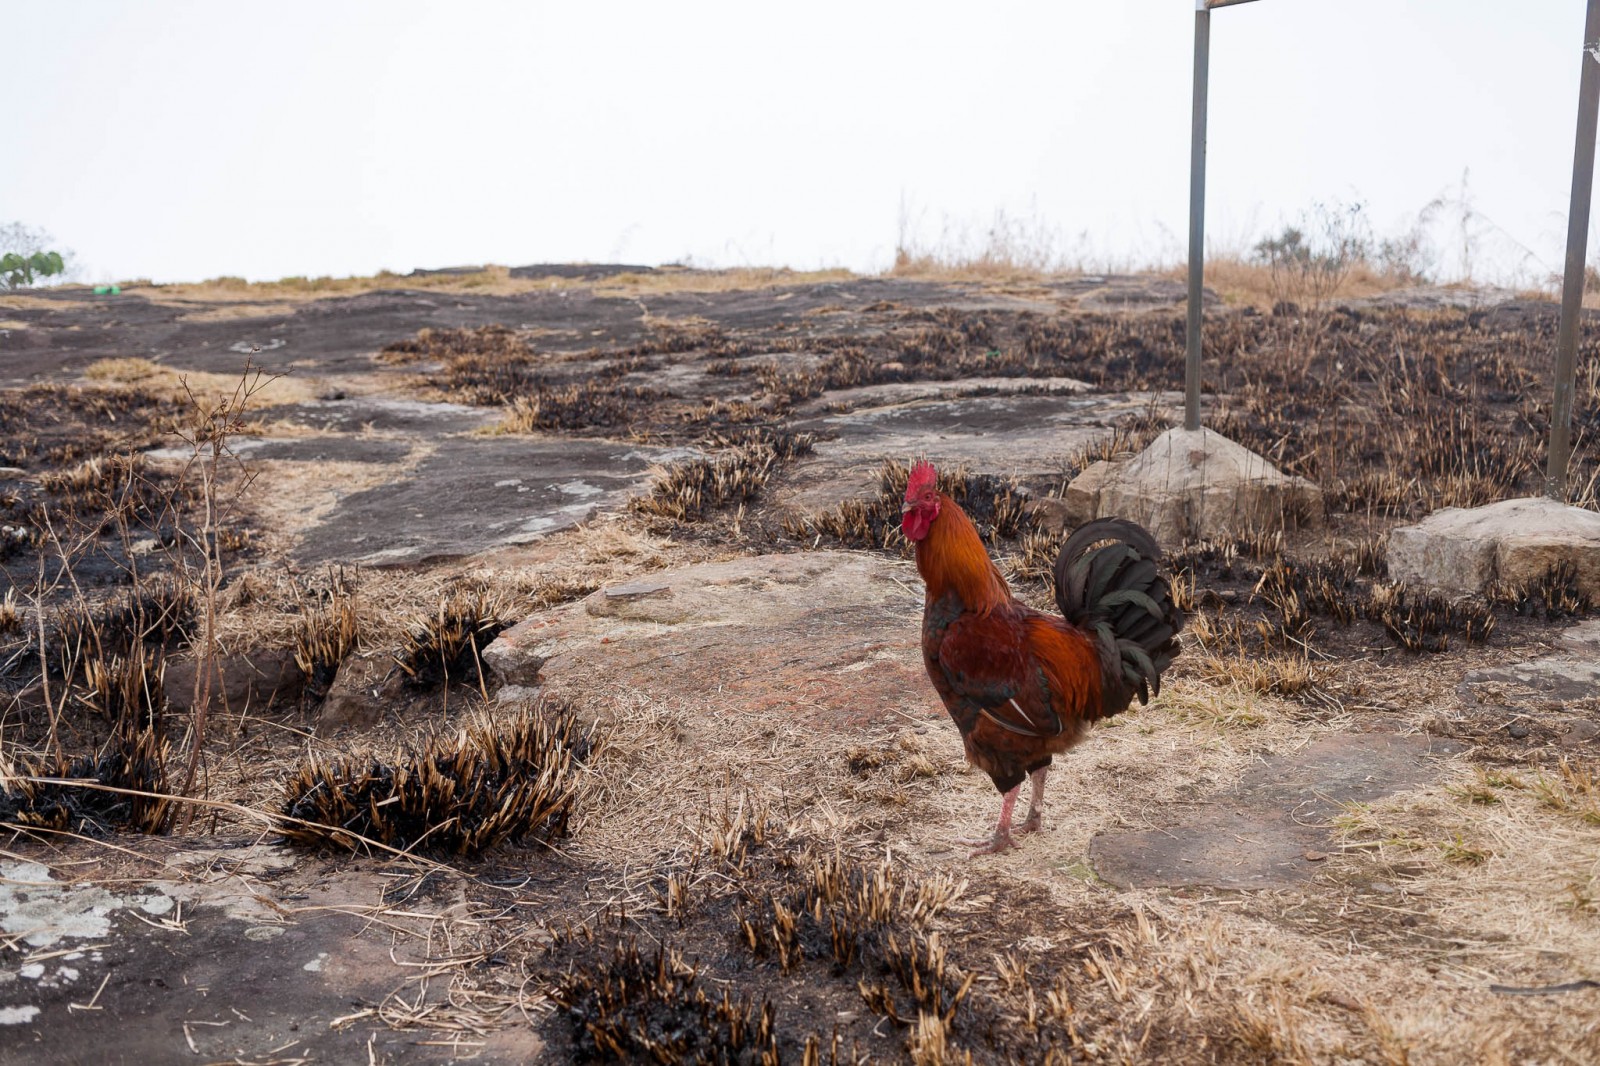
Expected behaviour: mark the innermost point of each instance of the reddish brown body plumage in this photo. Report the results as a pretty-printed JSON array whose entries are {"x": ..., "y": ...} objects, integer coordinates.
[{"x": 1020, "y": 684}]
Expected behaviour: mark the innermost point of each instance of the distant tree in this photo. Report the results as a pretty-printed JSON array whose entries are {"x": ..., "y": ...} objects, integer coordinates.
[
  {"x": 24, "y": 256},
  {"x": 1309, "y": 262}
]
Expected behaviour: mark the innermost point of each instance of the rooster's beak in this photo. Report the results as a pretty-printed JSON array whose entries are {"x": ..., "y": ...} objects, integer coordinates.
[{"x": 905, "y": 508}]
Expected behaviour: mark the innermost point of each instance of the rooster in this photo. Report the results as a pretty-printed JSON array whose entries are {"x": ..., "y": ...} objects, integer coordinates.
[{"x": 1024, "y": 685}]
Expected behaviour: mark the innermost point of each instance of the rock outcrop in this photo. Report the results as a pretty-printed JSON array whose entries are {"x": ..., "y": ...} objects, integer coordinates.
[
  {"x": 832, "y": 637},
  {"x": 1195, "y": 483},
  {"x": 1460, "y": 551}
]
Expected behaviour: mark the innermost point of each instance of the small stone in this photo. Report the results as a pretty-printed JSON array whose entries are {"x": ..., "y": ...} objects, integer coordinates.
[
  {"x": 1579, "y": 733},
  {"x": 1053, "y": 515},
  {"x": 1518, "y": 730},
  {"x": 1313, "y": 856},
  {"x": 637, "y": 589},
  {"x": 1585, "y": 636},
  {"x": 364, "y": 686}
]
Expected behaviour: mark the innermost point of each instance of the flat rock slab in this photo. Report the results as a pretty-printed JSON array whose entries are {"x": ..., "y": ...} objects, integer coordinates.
[
  {"x": 1260, "y": 834},
  {"x": 471, "y": 495},
  {"x": 1554, "y": 698},
  {"x": 1542, "y": 682},
  {"x": 233, "y": 955},
  {"x": 384, "y": 415},
  {"x": 339, "y": 334},
  {"x": 1460, "y": 551},
  {"x": 831, "y": 638},
  {"x": 889, "y": 393},
  {"x": 1583, "y": 637},
  {"x": 1006, "y": 433},
  {"x": 339, "y": 449}
]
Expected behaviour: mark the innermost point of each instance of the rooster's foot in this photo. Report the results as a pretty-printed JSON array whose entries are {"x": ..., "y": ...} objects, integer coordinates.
[
  {"x": 992, "y": 845},
  {"x": 1033, "y": 823}
]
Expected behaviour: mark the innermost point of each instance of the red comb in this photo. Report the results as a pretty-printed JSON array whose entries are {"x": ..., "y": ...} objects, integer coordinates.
[{"x": 923, "y": 477}]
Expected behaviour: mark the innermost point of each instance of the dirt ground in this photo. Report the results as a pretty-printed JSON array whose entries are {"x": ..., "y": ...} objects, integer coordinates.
[{"x": 1357, "y": 825}]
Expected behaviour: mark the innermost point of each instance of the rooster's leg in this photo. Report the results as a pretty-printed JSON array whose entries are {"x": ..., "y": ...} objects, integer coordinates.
[
  {"x": 1035, "y": 803},
  {"x": 1002, "y": 832}
]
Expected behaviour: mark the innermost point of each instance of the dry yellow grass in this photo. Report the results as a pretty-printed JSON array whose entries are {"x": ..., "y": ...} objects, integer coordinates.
[
  {"x": 239, "y": 298},
  {"x": 989, "y": 267},
  {"x": 670, "y": 279},
  {"x": 133, "y": 370},
  {"x": 16, "y": 301},
  {"x": 228, "y": 312},
  {"x": 1246, "y": 284}
]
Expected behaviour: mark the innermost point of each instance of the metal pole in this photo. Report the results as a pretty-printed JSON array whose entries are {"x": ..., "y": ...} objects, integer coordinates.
[
  {"x": 1555, "y": 481},
  {"x": 1197, "y": 212}
]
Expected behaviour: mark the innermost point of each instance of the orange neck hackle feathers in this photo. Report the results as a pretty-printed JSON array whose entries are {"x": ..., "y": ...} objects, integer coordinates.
[{"x": 950, "y": 554}]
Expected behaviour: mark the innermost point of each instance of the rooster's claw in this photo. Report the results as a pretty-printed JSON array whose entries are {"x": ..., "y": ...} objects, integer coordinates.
[{"x": 988, "y": 845}]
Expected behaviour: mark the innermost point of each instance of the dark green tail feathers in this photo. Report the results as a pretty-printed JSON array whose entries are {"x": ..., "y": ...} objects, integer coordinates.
[{"x": 1109, "y": 584}]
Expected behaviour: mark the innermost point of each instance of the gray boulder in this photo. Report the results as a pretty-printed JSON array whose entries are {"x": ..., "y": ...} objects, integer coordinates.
[
  {"x": 1461, "y": 551},
  {"x": 1195, "y": 483}
]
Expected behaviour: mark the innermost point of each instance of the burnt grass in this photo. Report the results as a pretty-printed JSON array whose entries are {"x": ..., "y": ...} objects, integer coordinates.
[
  {"x": 764, "y": 944},
  {"x": 1393, "y": 412}
]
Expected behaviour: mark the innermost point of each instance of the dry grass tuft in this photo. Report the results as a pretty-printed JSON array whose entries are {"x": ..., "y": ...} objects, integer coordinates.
[
  {"x": 329, "y": 629},
  {"x": 996, "y": 505},
  {"x": 1288, "y": 676},
  {"x": 1573, "y": 790},
  {"x": 691, "y": 490}
]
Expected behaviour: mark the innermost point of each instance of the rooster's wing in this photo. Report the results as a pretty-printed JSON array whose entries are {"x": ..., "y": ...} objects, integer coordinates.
[{"x": 987, "y": 671}]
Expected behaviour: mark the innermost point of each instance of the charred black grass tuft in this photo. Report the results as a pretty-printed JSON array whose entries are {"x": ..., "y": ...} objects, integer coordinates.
[
  {"x": 495, "y": 782},
  {"x": 866, "y": 920},
  {"x": 736, "y": 474},
  {"x": 133, "y": 760},
  {"x": 446, "y": 645},
  {"x": 1554, "y": 596},
  {"x": 996, "y": 505},
  {"x": 116, "y": 650},
  {"x": 652, "y": 1007},
  {"x": 1423, "y": 622}
]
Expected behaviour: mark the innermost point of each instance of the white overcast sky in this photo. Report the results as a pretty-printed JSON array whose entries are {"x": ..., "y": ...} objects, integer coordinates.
[{"x": 182, "y": 140}]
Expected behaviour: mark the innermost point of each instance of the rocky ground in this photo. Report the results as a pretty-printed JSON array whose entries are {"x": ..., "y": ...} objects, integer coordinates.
[{"x": 1355, "y": 826}]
